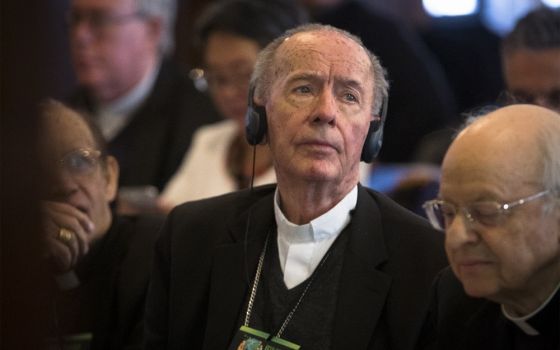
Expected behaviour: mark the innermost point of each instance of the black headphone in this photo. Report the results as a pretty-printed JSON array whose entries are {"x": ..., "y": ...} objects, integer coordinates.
[{"x": 256, "y": 126}]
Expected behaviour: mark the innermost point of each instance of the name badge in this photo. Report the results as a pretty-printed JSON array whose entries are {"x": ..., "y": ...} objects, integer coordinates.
[{"x": 248, "y": 338}]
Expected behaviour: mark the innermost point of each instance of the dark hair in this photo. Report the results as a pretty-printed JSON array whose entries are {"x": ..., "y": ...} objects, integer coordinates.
[
  {"x": 256, "y": 20},
  {"x": 538, "y": 30}
]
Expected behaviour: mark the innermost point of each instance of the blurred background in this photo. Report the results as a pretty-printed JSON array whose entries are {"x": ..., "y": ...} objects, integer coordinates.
[{"x": 463, "y": 37}]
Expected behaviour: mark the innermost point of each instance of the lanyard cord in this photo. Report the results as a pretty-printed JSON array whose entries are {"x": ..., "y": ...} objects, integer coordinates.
[{"x": 256, "y": 285}]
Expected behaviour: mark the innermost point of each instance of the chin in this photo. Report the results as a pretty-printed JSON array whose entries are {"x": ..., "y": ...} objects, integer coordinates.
[
  {"x": 318, "y": 171},
  {"x": 89, "y": 73},
  {"x": 91, "y": 81},
  {"x": 477, "y": 288}
]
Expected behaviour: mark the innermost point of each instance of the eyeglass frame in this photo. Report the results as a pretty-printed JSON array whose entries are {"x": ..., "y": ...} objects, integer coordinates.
[
  {"x": 93, "y": 154},
  {"x": 502, "y": 208}
]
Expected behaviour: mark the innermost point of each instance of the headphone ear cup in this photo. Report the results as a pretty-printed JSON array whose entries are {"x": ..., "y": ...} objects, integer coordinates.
[
  {"x": 374, "y": 137},
  {"x": 255, "y": 124},
  {"x": 374, "y": 140},
  {"x": 255, "y": 120},
  {"x": 375, "y": 125}
]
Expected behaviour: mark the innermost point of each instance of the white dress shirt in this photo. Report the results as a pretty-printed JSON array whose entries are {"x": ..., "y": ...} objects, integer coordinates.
[{"x": 301, "y": 247}]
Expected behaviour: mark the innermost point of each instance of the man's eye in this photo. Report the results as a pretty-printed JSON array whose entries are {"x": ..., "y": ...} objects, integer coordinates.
[
  {"x": 79, "y": 162},
  {"x": 447, "y": 211},
  {"x": 303, "y": 89},
  {"x": 350, "y": 97},
  {"x": 485, "y": 213},
  {"x": 485, "y": 208}
]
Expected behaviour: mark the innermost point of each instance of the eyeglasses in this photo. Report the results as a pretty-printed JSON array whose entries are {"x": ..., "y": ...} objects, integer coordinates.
[
  {"x": 488, "y": 213},
  {"x": 99, "y": 21},
  {"x": 81, "y": 162}
]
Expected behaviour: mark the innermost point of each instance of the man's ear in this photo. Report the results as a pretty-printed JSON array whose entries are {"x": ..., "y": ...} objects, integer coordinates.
[{"x": 111, "y": 178}]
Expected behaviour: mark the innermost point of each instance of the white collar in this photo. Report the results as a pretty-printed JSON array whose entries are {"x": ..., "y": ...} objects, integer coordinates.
[{"x": 522, "y": 323}]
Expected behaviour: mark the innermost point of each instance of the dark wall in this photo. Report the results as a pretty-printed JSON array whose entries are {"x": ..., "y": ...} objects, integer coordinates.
[{"x": 31, "y": 69}]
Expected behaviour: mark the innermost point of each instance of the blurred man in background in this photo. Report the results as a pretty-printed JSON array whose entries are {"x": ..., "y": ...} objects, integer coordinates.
[
  {"x": 101, "y": 261},
  {"x": 145, "y": 107},
  {"x": 531, "y": 57}
]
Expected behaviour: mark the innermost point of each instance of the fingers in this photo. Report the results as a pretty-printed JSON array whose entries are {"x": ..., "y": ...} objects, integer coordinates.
[
  {"x": 75, "y": 224},
  {"x": 60, "y": 255}
]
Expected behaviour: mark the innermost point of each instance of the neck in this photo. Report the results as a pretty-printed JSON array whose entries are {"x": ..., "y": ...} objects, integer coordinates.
[
  {"x": 531, "y": 299},
  {"x": 306, "y": 201}
]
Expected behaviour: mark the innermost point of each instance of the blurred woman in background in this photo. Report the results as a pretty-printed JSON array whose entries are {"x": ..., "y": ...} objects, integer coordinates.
[{"x": 230, "y": 35}]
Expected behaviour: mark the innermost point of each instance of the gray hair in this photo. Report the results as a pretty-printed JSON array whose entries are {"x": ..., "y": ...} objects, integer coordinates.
[
  {"x": 264, "y": 74},
  {"x": 549, "y": 146},
  {"x": 165, "y": 11}
]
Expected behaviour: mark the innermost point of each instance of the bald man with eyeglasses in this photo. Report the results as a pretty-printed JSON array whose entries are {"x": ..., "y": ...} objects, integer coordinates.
[
  {"x": 100, "y": 261},
  {"x": 499, "y": 206}
]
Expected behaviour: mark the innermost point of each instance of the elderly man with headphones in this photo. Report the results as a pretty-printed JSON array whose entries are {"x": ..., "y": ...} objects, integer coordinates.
[{"x": 316, "y": 261}]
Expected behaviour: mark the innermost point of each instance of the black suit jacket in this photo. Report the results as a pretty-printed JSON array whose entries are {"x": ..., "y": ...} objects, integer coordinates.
[
  {"x": 150, "y": 148},
  {"x": 459, "y": 322},
  {"x": 207, "y": 255}
]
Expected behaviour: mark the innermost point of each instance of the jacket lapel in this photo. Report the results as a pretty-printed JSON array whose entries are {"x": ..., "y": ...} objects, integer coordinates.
[
  {"x": 363, "y": 288},
  {"x": 233, "y": 272}
]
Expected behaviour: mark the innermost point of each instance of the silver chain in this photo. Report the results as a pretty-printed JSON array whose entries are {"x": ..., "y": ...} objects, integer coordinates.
[
  {"x": 291, "y": 314},
  {"x": 256, "y": 284}
]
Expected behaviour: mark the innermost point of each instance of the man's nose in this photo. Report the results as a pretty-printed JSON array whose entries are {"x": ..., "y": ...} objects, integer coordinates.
[
  {"x": 460, "y": 231},
  {"x": 326, "y": 108},
  {"x": 61, "y": 184}
]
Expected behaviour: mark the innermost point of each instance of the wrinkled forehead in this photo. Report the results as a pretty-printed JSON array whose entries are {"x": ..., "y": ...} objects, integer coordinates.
[
  {"x": 326, "y": 52},
  {"x": 502, "y": 146}
]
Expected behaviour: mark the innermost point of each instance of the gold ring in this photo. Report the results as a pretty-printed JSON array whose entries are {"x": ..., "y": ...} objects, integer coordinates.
[{"x": 65, "y": 235}]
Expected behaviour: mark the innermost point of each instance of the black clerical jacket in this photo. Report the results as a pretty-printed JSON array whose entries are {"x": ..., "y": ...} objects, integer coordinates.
[{"x": 207, "y": 255}]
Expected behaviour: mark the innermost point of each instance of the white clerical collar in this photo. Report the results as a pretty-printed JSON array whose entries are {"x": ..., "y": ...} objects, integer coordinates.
[
  {"x": 325, "y": 226},
  {"x": 302, "y": 247},
  {"x": 522, "y": 323},
  {"x": 114, "y": 116}
]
